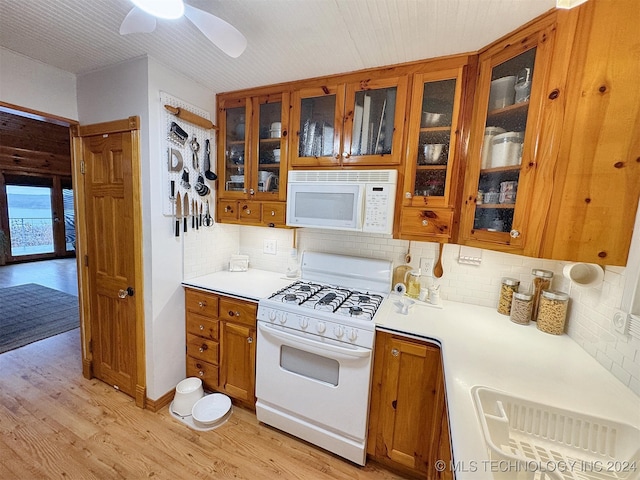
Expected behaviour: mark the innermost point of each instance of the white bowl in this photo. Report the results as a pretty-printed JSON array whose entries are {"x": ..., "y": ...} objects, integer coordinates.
[
  {"x": 431, "y": 153},
  {"x": 188, "y": 392},
  {"x": 211, "y": 409}
]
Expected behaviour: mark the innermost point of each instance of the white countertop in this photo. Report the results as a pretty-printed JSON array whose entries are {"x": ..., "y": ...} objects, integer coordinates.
[
  {"x": 480, "y": 347},
  {"x": 253, "y": 284}
]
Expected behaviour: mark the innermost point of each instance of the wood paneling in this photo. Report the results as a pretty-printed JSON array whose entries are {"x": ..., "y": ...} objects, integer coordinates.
[{"x": 33, "y": 146}]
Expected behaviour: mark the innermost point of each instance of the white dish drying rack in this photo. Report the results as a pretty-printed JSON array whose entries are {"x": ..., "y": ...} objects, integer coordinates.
[{"x": 533, "y": 441}]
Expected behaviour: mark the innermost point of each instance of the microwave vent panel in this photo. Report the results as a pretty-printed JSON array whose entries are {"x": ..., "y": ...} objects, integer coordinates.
[{"x": 344, "y": 176}]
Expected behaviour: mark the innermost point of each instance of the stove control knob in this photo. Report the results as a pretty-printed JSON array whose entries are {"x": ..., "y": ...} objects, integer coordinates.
[
  {"x": 338, "y": 331},
  {"x": 272, "y": 316},
  {"x": 304, "y": 323},
  {"x": 353, "y": 335},
  {"x": 283, "y": 318},
  {"x": 321, "y": 327}
]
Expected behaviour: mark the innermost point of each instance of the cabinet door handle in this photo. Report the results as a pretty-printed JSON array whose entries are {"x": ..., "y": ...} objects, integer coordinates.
[
  {"x": 202, "y": 304},
  {"x": 249, "y": 339},
  {"x": 514, "y": 233},
  {"x": 248, "y": 212},
  {"x": 201, "y": 373},
  {"x": 273, "y": 213},
  {"x": 407, "y": 195},
  {"x": 201, "y": 327},
  {"x": 395, "y": 352},
  {"x": 346, "y": 155},
  {"x": 252, "y": 191},
  {"x": 425, "y": 223},
  {"x": 232, "y": 314},
  {"x": 203, "y": 348},
  {"x": 394, "y": 404}
]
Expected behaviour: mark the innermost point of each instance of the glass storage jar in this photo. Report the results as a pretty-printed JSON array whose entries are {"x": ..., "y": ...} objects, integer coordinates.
[
  {"x": 552, "y": 312},
  {"x": 521, "y": 307},
  {"x": 507, "y": 289},
  {"x": 541, "y": 281}
]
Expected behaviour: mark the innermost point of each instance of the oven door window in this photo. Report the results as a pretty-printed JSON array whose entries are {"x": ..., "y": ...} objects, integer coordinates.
[{"x": 310, "y": 365}]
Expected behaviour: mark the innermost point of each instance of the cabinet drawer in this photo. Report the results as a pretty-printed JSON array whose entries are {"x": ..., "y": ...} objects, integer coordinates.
[
  {"x": 202, "y": 326},
  {"x": 202, "y": 303},
  {"x": 202, "y": 348},
  {"x": 249, "y": 212},
  {"x": 274, "y": 213},
  {"x": 238, "y": 311},
  {"x": 207, "y": 372},
  {"x": 434, "y": 222},
  {"x": 227, "y": 210}
]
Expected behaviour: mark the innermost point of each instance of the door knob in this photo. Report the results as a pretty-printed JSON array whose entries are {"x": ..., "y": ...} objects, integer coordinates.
[{"x": 124, "y": 293}]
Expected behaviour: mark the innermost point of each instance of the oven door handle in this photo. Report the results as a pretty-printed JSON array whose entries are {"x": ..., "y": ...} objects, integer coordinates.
[{"x": 297, "y": 340}]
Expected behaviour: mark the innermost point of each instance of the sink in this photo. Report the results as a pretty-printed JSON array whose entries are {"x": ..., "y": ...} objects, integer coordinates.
[{"x": 533, "y": 441}]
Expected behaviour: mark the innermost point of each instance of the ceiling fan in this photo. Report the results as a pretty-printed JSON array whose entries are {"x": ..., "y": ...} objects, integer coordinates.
[{"x": 142, "y": 19}]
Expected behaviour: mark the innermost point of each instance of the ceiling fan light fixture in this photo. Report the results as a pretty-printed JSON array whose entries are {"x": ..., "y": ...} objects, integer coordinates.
[
  {"x": 168, "y": 9},
  {"x": 566, "y": 4}
]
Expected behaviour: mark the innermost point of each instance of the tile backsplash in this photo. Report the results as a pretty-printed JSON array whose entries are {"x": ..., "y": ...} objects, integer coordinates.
[{"x": 590, "y": 310}]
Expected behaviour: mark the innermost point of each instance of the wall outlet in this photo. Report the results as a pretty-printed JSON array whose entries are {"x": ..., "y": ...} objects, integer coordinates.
[
  {"x": 270, "y": 247},
  {"x": 426, "y": 266},
  {"x": 621, "y": 322}
]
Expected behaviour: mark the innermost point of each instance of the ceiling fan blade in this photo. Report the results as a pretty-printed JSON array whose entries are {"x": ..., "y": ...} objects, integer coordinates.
[
  {"x": 137, "y": 21},
  {"x": 222, "y": 34}
]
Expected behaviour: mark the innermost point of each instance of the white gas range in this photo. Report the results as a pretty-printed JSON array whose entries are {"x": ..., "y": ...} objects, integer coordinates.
[{"x": 314, "y": 351}]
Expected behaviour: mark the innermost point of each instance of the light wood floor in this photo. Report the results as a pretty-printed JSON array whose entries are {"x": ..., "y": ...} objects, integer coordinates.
[
  {"x": 56, "y": 424},
  {"x": 60, "y": 274}
]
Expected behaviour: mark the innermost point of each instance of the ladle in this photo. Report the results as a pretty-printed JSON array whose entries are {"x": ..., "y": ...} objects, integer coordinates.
[{"x": 207, "y": 162}]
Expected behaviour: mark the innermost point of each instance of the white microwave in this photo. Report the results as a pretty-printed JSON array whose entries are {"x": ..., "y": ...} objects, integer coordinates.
[{"x": 354, "y": 200}]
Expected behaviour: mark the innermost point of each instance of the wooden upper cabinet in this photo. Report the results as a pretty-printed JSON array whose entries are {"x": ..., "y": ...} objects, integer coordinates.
[
  {"x": 440, "y": 99},
  {"x": 593, "y": 212},
  {"x": 518, "y": 112},
  {"x": 348, "y": 124},
  {"x": 252, "y": 150}
]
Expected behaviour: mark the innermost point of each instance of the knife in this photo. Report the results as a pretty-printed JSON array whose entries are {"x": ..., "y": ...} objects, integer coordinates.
[
  {"x": 200, "y": 216},
  {"x": 178, "y": 214},
  {"x": 193, "y": 215},
  {"x": 185, "y": 205}
]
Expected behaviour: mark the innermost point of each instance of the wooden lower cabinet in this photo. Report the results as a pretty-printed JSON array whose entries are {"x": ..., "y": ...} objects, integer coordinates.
[
  {"x": 408, "y": 426},
  {"x": 220, "y": 334}
]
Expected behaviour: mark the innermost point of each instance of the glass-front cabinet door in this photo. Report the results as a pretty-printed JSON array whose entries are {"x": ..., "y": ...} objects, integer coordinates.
[
  {"x": 356, "y": 123},
  {"x": 233, "y": 133},
  {"x": 505, "y": 129},
  {"x": 373, "y": 121},
  {"x": 432, "y": 138},
  {"x": 269, "y": 149},
  {"x": 506, "y": 143},
  {"x": 317, "y": 126},
  {"x": 254, "y": 147}
]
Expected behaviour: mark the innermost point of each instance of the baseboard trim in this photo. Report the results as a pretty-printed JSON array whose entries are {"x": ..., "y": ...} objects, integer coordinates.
[{"x": 156, "y": 405}]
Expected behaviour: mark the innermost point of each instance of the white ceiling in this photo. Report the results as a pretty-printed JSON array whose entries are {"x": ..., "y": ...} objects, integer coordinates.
[{"x": 287, "y": 39}]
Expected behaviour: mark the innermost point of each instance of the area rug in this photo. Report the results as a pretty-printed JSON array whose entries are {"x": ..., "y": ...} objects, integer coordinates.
[{"x": 31, "y": 312}]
